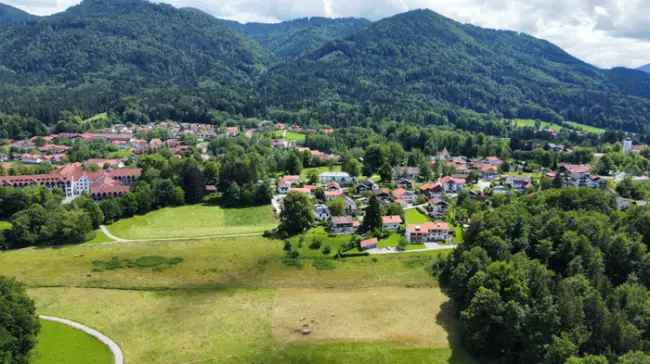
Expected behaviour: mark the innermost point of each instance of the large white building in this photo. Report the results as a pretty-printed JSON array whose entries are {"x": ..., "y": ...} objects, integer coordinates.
[{"x": 342, "y": 178}]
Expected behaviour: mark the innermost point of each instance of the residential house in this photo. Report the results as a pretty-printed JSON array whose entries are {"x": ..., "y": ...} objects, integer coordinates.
[
  {"x": 519, "y": 183},
  {"x": 488, "y": 172},
  {"x": 451, "y": 184},
  {"x": 286, "y": 183},
  {"x": 429, "y": 232},
  {"x": 369, "y": 244},
  {"x": 322, "y": 213},
  {"x": 342, "y": 178},
  {"x": 366, "y": 186},
  {"x": 384, "y": 195},
  {"x": 579, "y": 175},
  {"x": 350, "y": 205},
  {"x": 431, "y": 189},
  {"x": 391, "y": 223},
  {"x": 404, "y": 197},
  {"x": 280, "y": 144},
  {"x": 437, "y": 207},
  {"x": 406, "y": 173},
  {"x": 342, "y": 225}
]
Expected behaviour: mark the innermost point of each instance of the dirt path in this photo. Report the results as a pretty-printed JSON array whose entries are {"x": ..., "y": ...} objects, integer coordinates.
[
  {"x": 198, "y": 237},
  {"x": 112, "y": 346}
]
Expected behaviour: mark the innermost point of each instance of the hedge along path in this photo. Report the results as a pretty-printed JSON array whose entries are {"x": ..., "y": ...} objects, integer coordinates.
[{"x": 112, "y": 346}]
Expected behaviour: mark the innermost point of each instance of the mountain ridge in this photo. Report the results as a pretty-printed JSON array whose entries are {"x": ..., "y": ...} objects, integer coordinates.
[
  {"x": 157, "y": 61},
  {"x": 645, "y": 68},
  {"x": 12, "y": 15},
  {"x": 425, "y": 62}
]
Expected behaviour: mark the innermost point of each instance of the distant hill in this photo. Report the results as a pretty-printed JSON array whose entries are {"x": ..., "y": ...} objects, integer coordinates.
[
  {"x": 291, "y": 39},
  {"x": 93, "y": 54},
  {"x": 148, "y": 61},
  {"x": 645, "y": 68},
  {"x": 419, "y": 64},
  {"x": 11, "y": 15}
]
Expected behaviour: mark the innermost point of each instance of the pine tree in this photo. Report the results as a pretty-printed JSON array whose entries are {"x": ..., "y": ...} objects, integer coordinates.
[{"x": 372, "y": 220}]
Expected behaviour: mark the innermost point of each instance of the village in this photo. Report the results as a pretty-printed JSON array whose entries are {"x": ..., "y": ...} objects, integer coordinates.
[{"x": 418, "y": 212}]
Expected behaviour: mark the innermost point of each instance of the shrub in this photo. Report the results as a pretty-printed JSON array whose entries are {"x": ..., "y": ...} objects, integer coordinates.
[{"x": 315, "y": 244}]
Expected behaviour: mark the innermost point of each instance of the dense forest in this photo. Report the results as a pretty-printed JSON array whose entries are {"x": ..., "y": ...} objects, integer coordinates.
[
  {"x": 11, "y": 15},
  {"x": 554, "y": 275},
  {"x": 145, "y": 61}
]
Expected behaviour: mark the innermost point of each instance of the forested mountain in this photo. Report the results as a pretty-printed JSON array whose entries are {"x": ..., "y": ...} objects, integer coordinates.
[
  {"x": 90, "y": 56},
  {"x": 417, "y": 63},
  {"x": 291, "y": 39},
  {"x": 11, "y": 15},
  {"x": 147, "y": 61},
  {"x": 645, "y": 68}
]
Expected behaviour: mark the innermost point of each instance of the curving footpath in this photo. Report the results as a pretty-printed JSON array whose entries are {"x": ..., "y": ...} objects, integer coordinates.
[{"x": 114, "y": 348}]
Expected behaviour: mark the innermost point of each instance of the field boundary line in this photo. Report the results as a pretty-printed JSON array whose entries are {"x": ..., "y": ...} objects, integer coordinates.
[
  {"x": 118, "y": 356},
  {"x": 118, "y": 240}
]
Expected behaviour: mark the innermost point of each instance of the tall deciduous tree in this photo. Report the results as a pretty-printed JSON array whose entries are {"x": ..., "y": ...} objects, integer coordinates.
[
  {"x": 18, "y": 322},
  {"x": 297, "y": 213}
]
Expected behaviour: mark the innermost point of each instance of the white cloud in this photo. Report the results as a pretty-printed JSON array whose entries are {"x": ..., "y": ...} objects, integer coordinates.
[{"x": 604, "y": 32}]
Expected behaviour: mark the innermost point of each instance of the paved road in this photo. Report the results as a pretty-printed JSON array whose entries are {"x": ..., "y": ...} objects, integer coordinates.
[
  {"x": 112, "y": 346},
  {"x": 429, "y": 247},
  {"x": 111, "y": 236}
]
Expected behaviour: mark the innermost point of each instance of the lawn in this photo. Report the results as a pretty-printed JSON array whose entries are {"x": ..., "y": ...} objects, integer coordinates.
[
  {"x": 586, "y": 128},
  {"x": 306, "y": 171},
  {"x": 413, "y": 216},
  {"x": 61, "y": 344},
  {"x": 530, "y": 123},
  {"x": 195, "y": 221},
  {"x": 296, "y": 137}
]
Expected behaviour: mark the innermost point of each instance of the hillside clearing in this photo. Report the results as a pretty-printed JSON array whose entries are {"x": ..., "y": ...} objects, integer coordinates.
[{"x": 194, "y": 221}]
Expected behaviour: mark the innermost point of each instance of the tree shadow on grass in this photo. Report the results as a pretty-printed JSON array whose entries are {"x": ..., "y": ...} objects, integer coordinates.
[{"x": 447, "y": 319}]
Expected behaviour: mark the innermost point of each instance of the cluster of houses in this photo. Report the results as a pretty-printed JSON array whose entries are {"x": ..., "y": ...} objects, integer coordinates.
[{"x": 355, "y": 195}]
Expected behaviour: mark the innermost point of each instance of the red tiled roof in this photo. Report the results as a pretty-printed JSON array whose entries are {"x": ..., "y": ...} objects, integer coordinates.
[
  {"x": 427, "y": 227},
  {"x": 391, "y": 220},
  {"x": 369, "y": 243},
  {"x": 342, "y": 220},
  {"x": 577, "y": 168}
]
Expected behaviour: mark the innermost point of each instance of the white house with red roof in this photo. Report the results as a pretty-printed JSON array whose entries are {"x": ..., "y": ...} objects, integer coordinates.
[
  {"x": 391, "y": 223},
  {"x": 286, "y": 183},
  {"x": 429, "y": 232},
  {"x": 452, "y": 184},
  {"x": 579, "y": 175}
]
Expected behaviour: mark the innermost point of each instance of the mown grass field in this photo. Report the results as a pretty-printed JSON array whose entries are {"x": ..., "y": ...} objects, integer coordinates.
[
  {"x": 586, "y": 128},
  {"x": 530, "y": 123},
  {"x": 413, "y": 216},
  {"x": 195, "y": 221},
  {"x": 61, "y": 344},
  {"x": 318, "y": 170},
  {"x": 236, "y": 301}
]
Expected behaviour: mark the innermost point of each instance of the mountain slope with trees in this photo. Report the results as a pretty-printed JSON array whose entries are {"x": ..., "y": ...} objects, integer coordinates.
[
  {"x": 292, "y": 39},
  {"x": 92, "y": 55},
  {"x": 417, "y": 64},
  {"x": 11, "y": 15},
  {"x": 143, "y": 61}
]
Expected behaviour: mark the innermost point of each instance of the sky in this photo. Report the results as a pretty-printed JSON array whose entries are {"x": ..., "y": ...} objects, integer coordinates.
[{"x": 606, "y": 33}]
